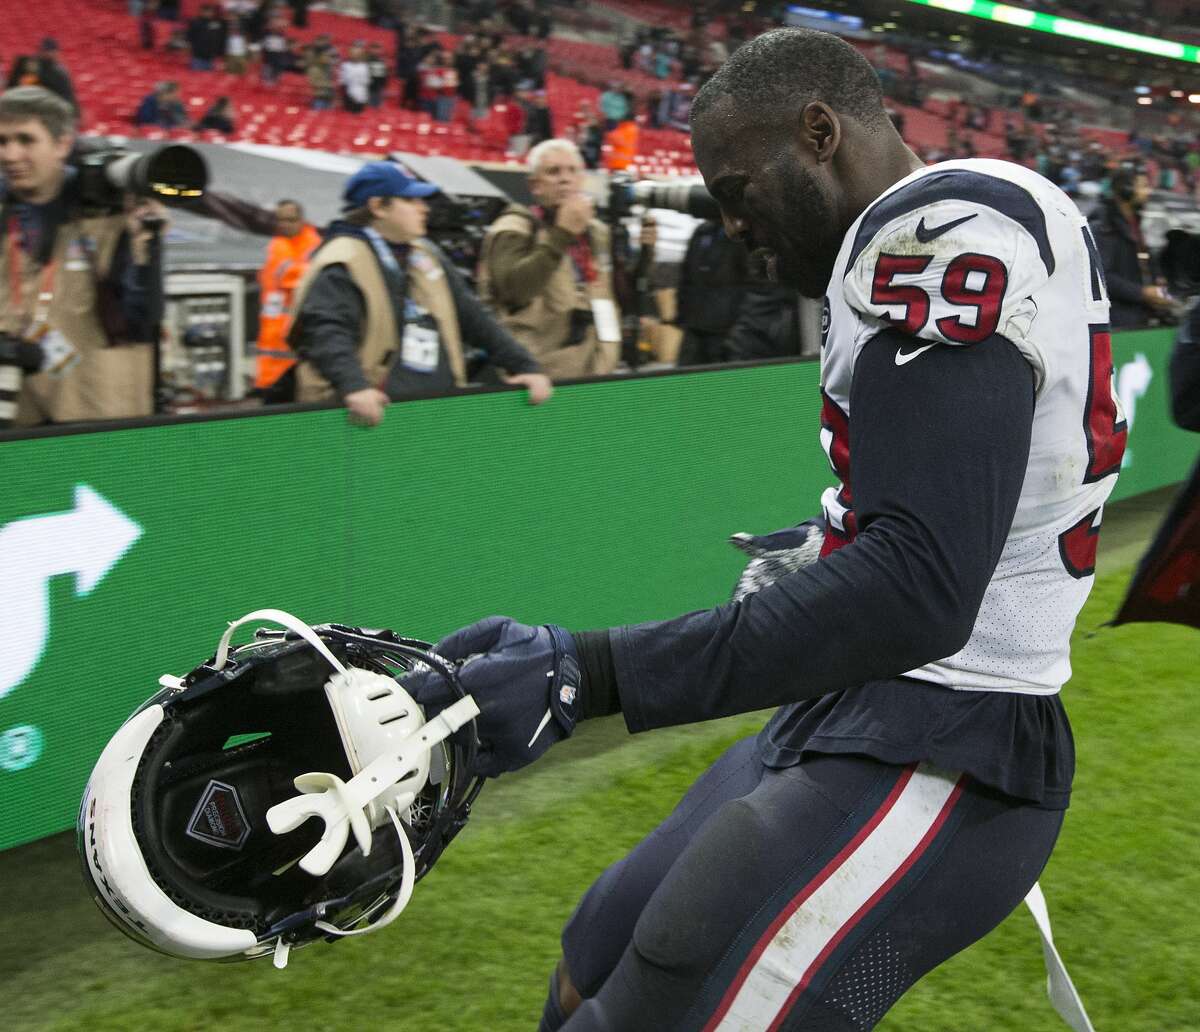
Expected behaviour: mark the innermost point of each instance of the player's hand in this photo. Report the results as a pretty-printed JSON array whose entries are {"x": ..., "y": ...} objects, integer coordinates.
[
  {"x": 574, "y": 214},
  {"x": 537, "y": 384},
  {"x": 366, "y": 406},
  {"x": 525, "y": 681}
]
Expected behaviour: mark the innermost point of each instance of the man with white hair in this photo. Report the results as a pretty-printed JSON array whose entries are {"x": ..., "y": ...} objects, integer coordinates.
[{"x": 547, "y": 270}]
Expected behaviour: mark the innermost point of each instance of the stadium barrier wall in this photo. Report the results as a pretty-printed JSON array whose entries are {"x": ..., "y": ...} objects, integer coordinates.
[{"x": 124, "y": 553}]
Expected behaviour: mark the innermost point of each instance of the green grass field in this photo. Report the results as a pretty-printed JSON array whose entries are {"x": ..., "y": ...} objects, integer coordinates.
[{"x": 474, "y": 948}]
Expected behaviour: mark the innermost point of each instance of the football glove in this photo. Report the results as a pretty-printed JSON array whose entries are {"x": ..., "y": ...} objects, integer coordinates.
[{"x": 526, "y": 681}]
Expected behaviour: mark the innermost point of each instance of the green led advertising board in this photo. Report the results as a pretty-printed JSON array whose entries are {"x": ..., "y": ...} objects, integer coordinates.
[{"x": 123, "y": 554}]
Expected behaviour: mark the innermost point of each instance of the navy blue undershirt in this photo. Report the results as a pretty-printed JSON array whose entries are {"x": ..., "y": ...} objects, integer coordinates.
[{"x": 938, "y": 448}]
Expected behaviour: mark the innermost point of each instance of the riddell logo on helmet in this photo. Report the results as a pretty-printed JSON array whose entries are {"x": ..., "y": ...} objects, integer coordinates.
[
  {"x": 219, "y": 819},
  {"x": 101, "y": 880}
]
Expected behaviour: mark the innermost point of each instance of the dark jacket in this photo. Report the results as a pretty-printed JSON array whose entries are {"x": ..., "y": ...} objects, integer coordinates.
[
  {"x": 130, "y": 297},
  {"x": 768, "y": 325},
  {"x": 206, "y": 36},
  {"x": 712, "y": 280},
  {"x": 1118, "y": 248},
  {"x": 1185, "y": 373},
  {"x": 330, "y": 325}
]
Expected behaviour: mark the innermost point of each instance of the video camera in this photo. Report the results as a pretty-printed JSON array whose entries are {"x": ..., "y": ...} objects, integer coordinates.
[
  {"x": 686, "y": 195},
  {"x": 107, "y": 172}
]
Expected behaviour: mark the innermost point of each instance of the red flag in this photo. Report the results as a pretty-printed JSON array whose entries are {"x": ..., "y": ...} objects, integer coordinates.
[{"x": 1166, "y": 585}]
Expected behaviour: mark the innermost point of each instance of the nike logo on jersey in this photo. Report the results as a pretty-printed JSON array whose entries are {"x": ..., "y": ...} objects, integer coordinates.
[
  {"x": 925, "y": 235},
  {"x": 903, "y": 359}
]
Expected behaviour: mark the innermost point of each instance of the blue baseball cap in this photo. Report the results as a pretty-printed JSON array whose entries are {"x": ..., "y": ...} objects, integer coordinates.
[{"x": 382, "y": 179}]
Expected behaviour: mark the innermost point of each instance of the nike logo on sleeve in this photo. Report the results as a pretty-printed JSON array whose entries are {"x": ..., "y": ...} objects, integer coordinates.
[
  {"x": 903, "y": 359},
  {"x": 925, "y": 235}
]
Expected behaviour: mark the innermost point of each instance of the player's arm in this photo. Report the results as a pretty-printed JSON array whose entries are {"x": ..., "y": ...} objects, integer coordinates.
[
  {"x": 940, "y": 446},
  {"x": 939, "y": 450}
]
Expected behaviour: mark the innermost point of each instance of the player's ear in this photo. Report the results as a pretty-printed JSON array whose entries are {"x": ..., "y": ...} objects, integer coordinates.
[{"x": 820, "y": 130}]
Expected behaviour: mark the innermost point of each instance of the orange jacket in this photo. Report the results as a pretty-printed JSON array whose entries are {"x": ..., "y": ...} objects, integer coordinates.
[
  {"x": 287, "y": 259},
  {"x": 622, "y": 143}
]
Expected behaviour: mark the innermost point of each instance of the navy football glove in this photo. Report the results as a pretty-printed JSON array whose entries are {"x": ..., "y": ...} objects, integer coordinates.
[{"x": 525, "y": 681}]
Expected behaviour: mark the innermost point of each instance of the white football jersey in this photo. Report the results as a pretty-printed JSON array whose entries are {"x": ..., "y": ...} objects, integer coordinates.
[{"x": 952, "y": 254}]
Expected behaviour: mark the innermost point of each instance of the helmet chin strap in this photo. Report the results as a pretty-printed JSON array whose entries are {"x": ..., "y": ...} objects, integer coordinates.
[{"x": 346, "y": 806}]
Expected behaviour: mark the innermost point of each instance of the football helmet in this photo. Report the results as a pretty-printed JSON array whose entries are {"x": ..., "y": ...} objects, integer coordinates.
[{"x": 192, "y": 836}]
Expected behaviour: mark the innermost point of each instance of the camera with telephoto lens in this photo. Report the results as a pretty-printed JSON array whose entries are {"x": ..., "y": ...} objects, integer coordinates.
[
  {"x": 108, "y": 172},
  {"x": 17, "y": 357},
  {"x": 686, "y": 195}
]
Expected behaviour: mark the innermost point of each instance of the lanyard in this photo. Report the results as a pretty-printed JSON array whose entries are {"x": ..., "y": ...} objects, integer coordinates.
[{"x": 45, "y": 294}]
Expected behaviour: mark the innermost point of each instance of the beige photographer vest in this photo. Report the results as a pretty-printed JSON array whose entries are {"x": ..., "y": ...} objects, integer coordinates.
[
  {"x": 544, "y": 325},
  {"x": 381, "y": 335},
  {"x": 103, "y": 381}
]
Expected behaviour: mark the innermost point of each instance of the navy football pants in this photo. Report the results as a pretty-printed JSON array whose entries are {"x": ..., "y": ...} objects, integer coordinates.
[{"x": 808, "y": 898}]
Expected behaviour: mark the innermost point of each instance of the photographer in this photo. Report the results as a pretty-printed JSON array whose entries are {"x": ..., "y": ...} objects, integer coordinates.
[
  {"x": 84, "y": 283},
  {"x": 1134, "y": 293},
  {"x": 381, "y": 314},
  {"x": 548, "y": 270}
]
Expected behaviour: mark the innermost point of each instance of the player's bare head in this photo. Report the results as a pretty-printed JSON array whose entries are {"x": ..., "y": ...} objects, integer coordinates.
[{"x": 773, "y": 131}]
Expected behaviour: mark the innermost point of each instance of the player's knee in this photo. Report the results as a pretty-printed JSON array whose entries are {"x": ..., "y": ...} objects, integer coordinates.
[{"x": 690, "y": 921}]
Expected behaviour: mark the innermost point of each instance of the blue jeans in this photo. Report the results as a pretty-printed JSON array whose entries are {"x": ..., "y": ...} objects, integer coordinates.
[
  {"x": 443, "y": 108},
  {"x": 200, "y": 64}
]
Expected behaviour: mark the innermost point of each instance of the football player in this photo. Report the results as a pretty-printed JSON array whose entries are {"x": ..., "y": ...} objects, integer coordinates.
[{"x": 910, "y": 788}]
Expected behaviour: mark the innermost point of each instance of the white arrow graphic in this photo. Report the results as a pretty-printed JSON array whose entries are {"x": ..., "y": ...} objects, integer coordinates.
[{"x": 87, "y": 541}]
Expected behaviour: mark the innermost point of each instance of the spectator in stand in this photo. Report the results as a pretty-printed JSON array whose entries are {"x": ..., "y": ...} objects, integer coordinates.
[
  {"x": 410, "y": 52},
  {"x": 206, "y": 35},
  {"x": 614, "y": 105},
  {"x": 481, "y": 90},
  {"x": 531, "y": 68},
  {"x": 382, "y": 314},
  {"x": 430, "y": 74},
  {"x": 237, "y": 49},
  {"x": 447, "y": 96},
  {"x": 1133, "y": 291},
  {"x": 502, "y": 76},
  {"x": 177, "y": 42},
  {"x": 466, "y": 59},
  {"x": 378, "y": 66},
  {"x": 24, "y": 72},
  {"x": 547, "y": 270},
  {"x": 539, "y": 121},
  {"x": 147, "y": 30},
  {"x": 274, "y": 51},
  {"x": 589, "y": 135},
  {"x": 680, "y": 109},
  {"x": 44, "y": 69},
  {"x": 163, "y": 107},
  {"x": 354, "y": 76},
  {"x": 299, "y": 13},
  {"x": 218, "y": 118},
  {"x": 287, "y": 260},
  {"x": 318, "y": 69}
]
